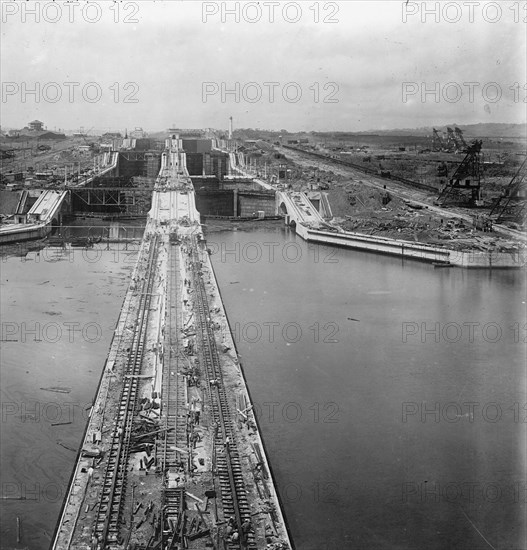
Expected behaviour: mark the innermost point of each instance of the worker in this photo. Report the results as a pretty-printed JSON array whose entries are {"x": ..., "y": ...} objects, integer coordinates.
[{"x": 246, "y": 526}]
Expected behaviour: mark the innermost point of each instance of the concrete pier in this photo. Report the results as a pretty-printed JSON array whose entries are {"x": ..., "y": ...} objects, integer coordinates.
[{"x": 172, "y": 455}]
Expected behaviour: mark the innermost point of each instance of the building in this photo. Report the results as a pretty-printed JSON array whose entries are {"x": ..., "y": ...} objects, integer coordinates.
[
  {"x": 137, "y": 133},
  {"x": 36, "y": 125}
]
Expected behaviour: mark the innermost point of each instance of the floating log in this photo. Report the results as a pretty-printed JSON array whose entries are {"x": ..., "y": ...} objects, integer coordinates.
[{"x": 66, "y": 447}]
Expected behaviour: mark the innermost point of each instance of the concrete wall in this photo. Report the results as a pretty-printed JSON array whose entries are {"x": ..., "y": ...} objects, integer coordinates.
[
  {"x": 248, "y": 185},
  {"x": 250, "y": 203},
  {"x": 201, "y": 184},
  {"x": 215, "y": 203},
  {"x": 209, "y": 163},
  {"x": 315, "y": 203},
  {"x": 416, "y": 251},
  {"x": 216, "y": 163},
  {"x": 9, "y": 201},
  {"x": 195, "y": 164},
  {"x": 197, "y": 145},
  {"x": 220, "y": 202},
  {"x": 153, "y": 165},
  {"x": 147, "y": 165}
]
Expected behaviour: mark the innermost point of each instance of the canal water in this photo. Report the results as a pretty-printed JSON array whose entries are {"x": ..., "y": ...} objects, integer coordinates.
[
  {"x": 58, "y": 309},
  {"x": 390, "y": 394}
]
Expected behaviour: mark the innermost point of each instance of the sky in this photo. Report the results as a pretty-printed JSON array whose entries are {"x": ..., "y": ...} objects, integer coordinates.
[{"x": 343, "y": 66}]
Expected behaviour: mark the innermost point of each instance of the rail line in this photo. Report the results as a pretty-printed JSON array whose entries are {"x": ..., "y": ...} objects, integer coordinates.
[
  {"x": 365, "y": 170},
  {"x": 227, "y": 458},
  {"x": 173, "y": 387},
  {"x": 109, "y": 512},
  {"x": 173, "y": 403}
]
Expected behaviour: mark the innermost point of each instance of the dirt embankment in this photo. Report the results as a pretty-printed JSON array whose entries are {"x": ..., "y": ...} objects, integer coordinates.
[{"x": 361, "y": 207}]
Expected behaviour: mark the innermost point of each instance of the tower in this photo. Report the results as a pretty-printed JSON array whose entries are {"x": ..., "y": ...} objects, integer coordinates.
[{"x": 230, "y": 127}]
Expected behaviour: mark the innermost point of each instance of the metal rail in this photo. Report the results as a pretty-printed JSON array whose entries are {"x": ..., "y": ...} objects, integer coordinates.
[
  {"x": 173, "y": 401},
  {"x": 173, "y": 388},
  {"x": 227, "y": 459},
  {"x": 360, "y": 168},
  {"x": 111, "y": 502}
]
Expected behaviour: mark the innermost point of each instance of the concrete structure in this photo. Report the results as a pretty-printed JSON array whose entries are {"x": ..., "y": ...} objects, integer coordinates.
[
  {"x": 39, "y": 222},
  {"x": 44, "y": 214},
  {"x": 172, "y": 455},
  {"x": 298, "y": 209},
  {"x": 301, "y": 214}
]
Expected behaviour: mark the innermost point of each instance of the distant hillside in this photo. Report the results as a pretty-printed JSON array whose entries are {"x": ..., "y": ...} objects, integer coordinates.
[
  {"x": 491, "y": 130},
  {"x": 472, "y": 130}
]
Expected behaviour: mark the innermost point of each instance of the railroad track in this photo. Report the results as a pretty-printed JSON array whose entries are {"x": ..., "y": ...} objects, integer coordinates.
[
  {"x": 112, "y": 498},
  {"x": 173, "y": 387},
  {"x": 227, "y": 458},
  {"x": 365, "y": 170},
  {"x": 173, "y": 403}
]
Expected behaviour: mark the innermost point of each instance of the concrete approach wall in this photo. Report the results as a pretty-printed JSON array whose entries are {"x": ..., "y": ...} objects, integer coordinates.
[{"x": 416, "y": 251}]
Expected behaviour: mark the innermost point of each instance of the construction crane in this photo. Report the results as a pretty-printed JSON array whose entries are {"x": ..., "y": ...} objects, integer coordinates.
[
  {"x": 450, "y": 140},
  {"x": 512, "y": 204},
  {"x": 461, "y": 144},
  {"x": 84, "y": 135},
  {"x": 437, "y": 142},
  {"x": 464, "y": 187}
]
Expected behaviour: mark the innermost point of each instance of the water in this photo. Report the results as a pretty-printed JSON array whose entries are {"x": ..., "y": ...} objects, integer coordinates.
[
  {"x": 343, "y": 385},
  {"x": 338, "y": 386},
  {"x": 58, "y": 310}
]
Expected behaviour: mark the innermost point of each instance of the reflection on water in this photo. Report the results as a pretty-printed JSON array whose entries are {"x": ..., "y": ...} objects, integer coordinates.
[
  {"x": 59, "y": 307},
  {"x": 390, "y": 394}
]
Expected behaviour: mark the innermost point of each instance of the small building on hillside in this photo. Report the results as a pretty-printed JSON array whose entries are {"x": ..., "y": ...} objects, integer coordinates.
[{"x": 36, "y": 125}]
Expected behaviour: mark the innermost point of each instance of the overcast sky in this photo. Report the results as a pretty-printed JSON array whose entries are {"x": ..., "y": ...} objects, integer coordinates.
[{"x": 364, "y": 64}]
